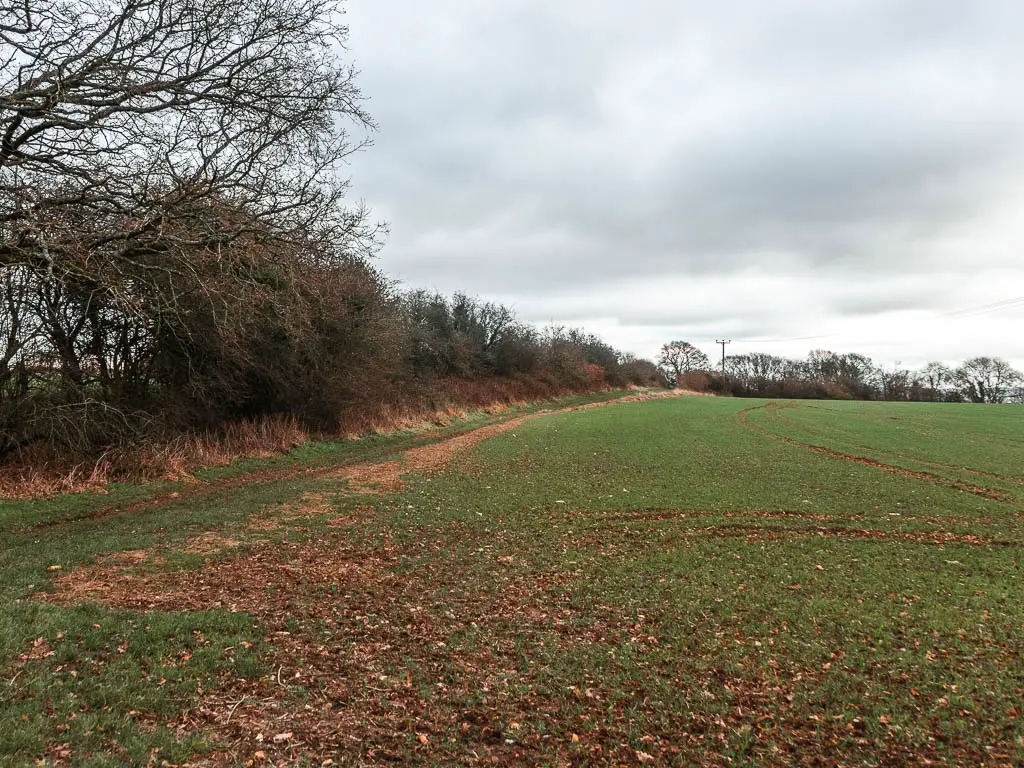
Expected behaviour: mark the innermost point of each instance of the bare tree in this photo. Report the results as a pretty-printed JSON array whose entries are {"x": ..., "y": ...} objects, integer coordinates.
[
  {"x": 119, "y": 110},
  {"x": 936, "y": 375},
  {"x": 897, "y": 383},
  {"x": 935, "y": 378},
  {"x": 139, "y": 139},
  {"x": 852, "y": 373},
  {"x": 987, "y": 379},
  {"x": 678, "y": 358},
  {"x": 641, "y": 372}
]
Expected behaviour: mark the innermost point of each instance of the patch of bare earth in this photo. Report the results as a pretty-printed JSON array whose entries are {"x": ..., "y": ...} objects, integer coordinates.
[
  {"x": 387, "y": 477},
  {"x": 621, "y": 518},
  {"x": 672, "y": 513},
  {"x": 940, "y": 538},
  {"x": 309, "y": 505},
  {"x": 125, "y": 558},
  {"x": 208, "y": 543}
]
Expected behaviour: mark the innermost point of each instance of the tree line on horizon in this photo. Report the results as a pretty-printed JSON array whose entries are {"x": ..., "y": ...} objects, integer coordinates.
[{"x": 850, "y": 376}]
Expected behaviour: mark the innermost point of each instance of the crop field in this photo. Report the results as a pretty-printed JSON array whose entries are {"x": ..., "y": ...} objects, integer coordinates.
[{"x": 663, "y": 581}]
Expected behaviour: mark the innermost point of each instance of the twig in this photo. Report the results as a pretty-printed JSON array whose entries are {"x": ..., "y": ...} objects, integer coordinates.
[{"x": 232, "y": 712}]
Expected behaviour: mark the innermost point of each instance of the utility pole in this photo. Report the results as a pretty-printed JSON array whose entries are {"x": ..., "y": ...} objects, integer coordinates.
[{"x": 723, "y": 342}]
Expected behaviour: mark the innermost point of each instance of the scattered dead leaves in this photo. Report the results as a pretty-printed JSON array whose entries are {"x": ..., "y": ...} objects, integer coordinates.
[{"x": 356, "y": 638}]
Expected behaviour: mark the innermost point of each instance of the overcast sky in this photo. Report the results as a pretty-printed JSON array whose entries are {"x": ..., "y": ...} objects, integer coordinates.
[{"x": 743, "y": 169}]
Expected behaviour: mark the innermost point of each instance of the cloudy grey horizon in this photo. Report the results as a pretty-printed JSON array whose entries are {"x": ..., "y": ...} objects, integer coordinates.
[{"x": 791, "y": 175}]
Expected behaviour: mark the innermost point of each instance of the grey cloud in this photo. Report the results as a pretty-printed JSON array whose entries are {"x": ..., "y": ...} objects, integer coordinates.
[
  {"x": 882, "y": 301},
  {"x": 549, "y": 148}
]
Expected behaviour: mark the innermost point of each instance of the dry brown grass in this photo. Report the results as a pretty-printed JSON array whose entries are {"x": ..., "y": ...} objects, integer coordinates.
[
  {"x": 25, "y": 481},
  {"x": 251, "y": 438},
  {"x": 40, "y": 475}
]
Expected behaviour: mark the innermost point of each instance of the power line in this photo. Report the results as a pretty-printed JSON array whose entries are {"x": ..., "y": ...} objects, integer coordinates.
[{"x": 994, "y": 306}]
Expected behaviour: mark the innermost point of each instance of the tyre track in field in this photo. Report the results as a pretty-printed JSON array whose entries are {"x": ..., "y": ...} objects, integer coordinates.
[
  {"x": 938, "y": 538},
  {"x": 777, "y": 415},
  {"x": 991, "y": 494}
]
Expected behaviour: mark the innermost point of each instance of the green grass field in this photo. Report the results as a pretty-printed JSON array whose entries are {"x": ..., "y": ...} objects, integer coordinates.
[{"x": 682, "y": 581}]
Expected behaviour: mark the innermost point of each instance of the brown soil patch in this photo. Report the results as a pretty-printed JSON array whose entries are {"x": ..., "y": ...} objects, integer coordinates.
[
  {"x": 264, "y": 523},
  {"x": 387, "y": 477},
  {"x": 209, "y": 543},
  {"x": 373, "y": 478},
  {"x": 922, "y": 537},
  {"x": 434, "y": 457},
  {"x": 128, "y": 557},
  {"x": 620, "y": 519},
  {"x": 309, "y": 505},
  {"x": 259, "y": 580}
]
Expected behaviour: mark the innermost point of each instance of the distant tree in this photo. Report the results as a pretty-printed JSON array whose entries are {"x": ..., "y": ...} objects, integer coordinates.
[
  {"x": 680, "y": 357},
  {"x": 933, "y": 380},
  {"x": 755, "y": 373},
  {"x": 897, "y": 384},
  {"x": 848, "y": 375},
  {"x": 986, "y": 379},
  {"x": 936, "y": 375}
]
